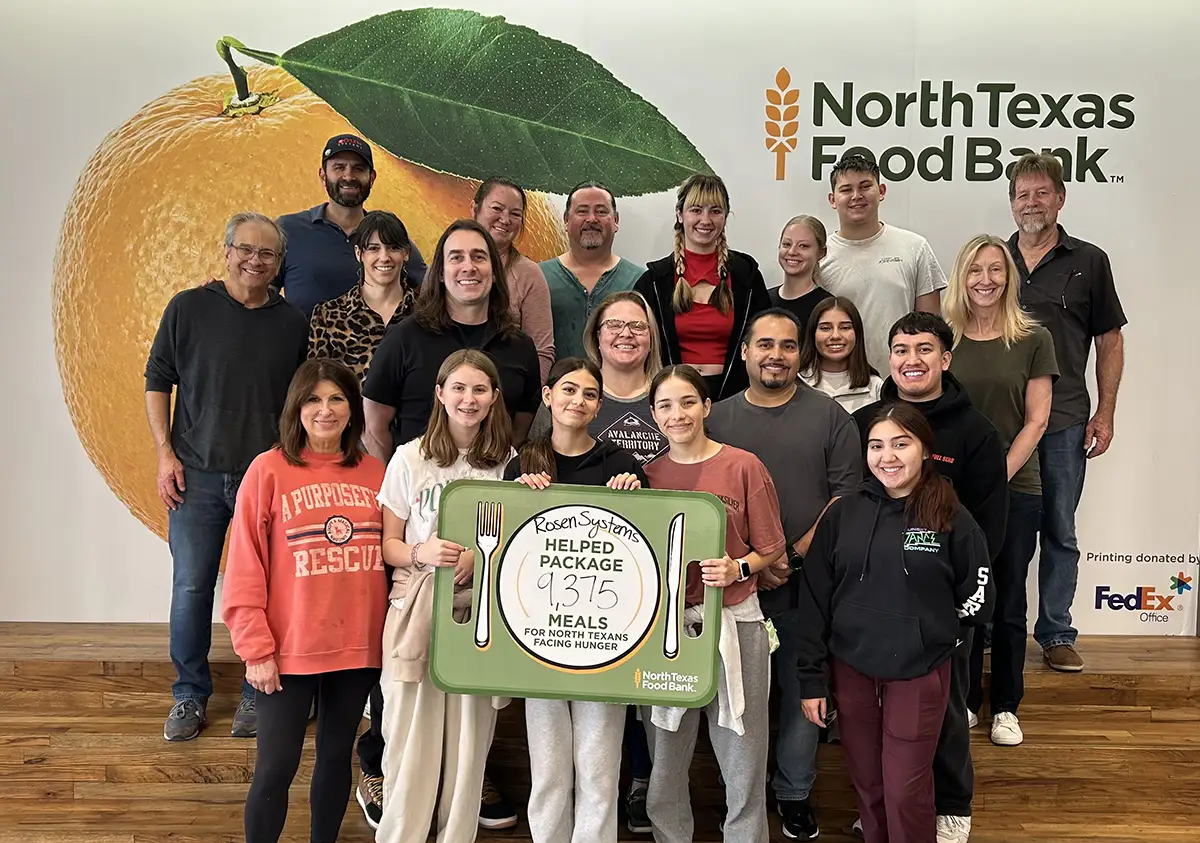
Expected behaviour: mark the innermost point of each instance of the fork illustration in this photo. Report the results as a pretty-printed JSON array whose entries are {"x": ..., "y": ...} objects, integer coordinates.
[{"x": 487, "y": 538}]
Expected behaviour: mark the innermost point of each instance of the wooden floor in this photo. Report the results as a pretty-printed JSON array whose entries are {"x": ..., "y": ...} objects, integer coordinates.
[{"x": 1111, "y": 755}]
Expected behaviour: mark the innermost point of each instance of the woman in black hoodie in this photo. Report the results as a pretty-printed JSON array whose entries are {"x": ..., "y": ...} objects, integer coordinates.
[
  {"x": 702, "y": 294},
  {"x": 574, "y": 747},
  {"x": 894, "y": 569}
]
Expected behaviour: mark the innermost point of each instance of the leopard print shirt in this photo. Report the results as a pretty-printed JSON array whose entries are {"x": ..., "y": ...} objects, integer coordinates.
[{"x": 347, "y": 330}]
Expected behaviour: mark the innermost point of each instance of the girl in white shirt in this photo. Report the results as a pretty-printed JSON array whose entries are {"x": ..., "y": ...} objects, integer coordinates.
[
  {"x": 469, "y": 436},
  {"x": 833, "y": 355}
]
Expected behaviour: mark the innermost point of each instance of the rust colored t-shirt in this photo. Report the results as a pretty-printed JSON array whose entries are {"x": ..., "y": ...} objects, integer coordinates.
[{"x": 752, "y": 521}]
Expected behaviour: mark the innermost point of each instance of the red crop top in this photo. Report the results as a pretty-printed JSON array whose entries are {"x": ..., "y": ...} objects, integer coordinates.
[{"x": 703, "y": 331}]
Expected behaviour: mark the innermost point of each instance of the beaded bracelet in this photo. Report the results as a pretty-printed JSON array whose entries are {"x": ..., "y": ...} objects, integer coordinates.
[{"x": 412, "y": 557}]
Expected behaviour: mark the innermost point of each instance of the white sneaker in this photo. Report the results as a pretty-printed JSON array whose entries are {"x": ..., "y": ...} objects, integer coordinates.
[
  {"x": 857, "y": 827},
  {"x": 972, "y": 719},
  {"x": 1006, "y": 730},
  {"x": 953, "y": 829}
]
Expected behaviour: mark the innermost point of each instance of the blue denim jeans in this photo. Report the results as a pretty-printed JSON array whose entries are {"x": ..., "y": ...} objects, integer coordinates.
[
  {"x": 1064, "y": 464},
  {"x": 796, "y": 743},
  {"x": 196, "y": 536}
]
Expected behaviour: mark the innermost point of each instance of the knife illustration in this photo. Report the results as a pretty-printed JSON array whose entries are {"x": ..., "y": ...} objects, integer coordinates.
[{"x": 674, "y": 583}]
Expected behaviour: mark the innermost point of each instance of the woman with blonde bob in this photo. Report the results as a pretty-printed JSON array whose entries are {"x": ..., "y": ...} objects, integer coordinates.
[
  {"x": 1005, "y": 360},
  {"x": 704, "y": 294},
  {"x": 436, "y": 743}
]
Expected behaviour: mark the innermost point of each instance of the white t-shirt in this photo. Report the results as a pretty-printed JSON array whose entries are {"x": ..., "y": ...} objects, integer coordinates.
[
  {"x": 837, "y": 386},
  {"x": 412, "y": 487},
  {"x": 882, "y": 275}
]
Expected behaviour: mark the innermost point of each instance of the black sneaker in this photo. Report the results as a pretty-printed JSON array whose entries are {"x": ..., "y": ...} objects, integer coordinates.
[
  {"x": 494, "y": 809},
  {"x": 185, "y": 722},
  {"x": 370, "y": 798},
  {"x": 798, "y": 820},
  {"x": 635, "y": 807},
  {"x": 245, "y": 719}
]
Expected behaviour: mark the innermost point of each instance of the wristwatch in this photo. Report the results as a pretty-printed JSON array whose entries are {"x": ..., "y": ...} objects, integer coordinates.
[
  {"x": 743, "y": 570},
  {"x": 794, "y": 558}
]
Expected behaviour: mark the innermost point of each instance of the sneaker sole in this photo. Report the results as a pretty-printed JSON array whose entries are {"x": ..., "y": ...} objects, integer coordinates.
[
  {"x": 182, "y": 739},
  {"x": 1065, "y": 668},
  {"x": 1007, "y": 742},
  {"x": 507, "y": 822},
  {"x": 362, "y": 804},
  {"x": 242, "y": 733},
  {"x": 790, "y": 836},
  {"x": 639, "y": 829}
]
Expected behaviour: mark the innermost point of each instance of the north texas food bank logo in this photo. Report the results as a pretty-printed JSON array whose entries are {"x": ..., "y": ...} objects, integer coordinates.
[{"x": 975, "y": 154}]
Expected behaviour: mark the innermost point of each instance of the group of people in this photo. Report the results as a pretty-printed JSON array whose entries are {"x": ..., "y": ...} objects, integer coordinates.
[{"x": 887, "y": 474}]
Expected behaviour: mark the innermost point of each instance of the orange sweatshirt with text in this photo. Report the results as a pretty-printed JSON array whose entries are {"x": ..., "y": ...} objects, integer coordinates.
[{"x": 305, "y": 582}]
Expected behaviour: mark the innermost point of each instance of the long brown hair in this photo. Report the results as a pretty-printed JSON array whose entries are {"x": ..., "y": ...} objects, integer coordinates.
[
  {"x": 933, "y": 502},
  {"x": 493, "y": 443},
  {"x": 859, "y": 369},
  {"x": 431, "y": 311},
  {"x": 293, "y": 437},
  {"x": 487, "y": 186},
  {"x": 537, "y": 455},
  {"x": 701, "y": 189}
]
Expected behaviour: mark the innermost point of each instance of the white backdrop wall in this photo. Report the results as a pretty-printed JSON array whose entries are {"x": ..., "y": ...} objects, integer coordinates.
[{"x": 77, "y": 70}]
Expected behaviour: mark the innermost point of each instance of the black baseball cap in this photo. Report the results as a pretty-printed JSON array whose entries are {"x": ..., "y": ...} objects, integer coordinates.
[{"x": 347, "y": 143}]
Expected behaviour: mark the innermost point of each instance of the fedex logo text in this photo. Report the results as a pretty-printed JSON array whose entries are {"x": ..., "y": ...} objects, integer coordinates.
[{"x": 1145, "y": 598}]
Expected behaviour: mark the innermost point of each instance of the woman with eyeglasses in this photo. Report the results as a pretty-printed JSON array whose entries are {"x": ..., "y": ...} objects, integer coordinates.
[{"x": 621, "y": 337}]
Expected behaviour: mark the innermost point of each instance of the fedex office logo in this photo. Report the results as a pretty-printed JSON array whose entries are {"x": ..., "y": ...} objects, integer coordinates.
[{"x": 1145, "y": 599}]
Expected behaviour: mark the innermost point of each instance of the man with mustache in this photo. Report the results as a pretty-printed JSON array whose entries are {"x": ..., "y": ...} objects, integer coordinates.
[
  {"x": 1067, "y": 284},
  {"x": 887, "y": 271},
  {"x": 810, "y": 446},
  {"x": 320, "y": 263},
  {"x": 588, "y": 272}
]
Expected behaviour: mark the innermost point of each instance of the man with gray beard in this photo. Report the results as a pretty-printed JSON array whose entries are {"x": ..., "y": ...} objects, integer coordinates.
[
  {"x": 1067, "y": 284},
  {"x": 581, "y": 278}
]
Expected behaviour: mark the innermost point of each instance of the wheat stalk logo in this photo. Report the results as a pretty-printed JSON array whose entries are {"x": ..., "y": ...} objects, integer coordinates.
[{"x": 782, "y": 111}]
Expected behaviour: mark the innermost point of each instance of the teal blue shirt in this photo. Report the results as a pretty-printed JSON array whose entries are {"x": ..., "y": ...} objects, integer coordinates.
[{"x": 571, "y": 303}]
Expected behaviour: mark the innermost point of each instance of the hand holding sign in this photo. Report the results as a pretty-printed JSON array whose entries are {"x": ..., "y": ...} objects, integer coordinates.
[{"x": 576, "y": 592}]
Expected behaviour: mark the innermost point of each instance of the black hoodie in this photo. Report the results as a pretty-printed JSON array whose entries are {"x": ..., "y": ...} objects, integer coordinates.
[
  {"x": 595, "y": 468},
  {"x": 967, "y": 452},
  {"x": 750, "y": 297},
  {"x": 884, "y": 597},
  {"x": 230, "y": 367}
]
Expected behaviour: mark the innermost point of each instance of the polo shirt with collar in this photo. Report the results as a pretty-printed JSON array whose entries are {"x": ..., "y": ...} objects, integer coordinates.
[
  {"x": 404, "y": 370},
  {"x": 1072, "y": 294},
  {"x": 319, "y": 263}
]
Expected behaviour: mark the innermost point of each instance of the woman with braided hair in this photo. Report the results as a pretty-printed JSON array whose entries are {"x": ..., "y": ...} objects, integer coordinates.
[{"x": 703, "y": 294}]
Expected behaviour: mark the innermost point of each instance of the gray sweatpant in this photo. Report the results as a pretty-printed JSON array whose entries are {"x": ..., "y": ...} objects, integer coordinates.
[
  {"x": 743, "y": 760},
  {"x": 575, "y": 765}
]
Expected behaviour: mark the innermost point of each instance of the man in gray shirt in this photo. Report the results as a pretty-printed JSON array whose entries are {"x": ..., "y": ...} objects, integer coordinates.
[{"x": 811, "y": 447}]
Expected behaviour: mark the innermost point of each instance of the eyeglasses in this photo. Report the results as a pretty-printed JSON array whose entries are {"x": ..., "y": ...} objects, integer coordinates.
[
  {"x": 246, "y": 252},
  {"x": 619, "y": 325}
]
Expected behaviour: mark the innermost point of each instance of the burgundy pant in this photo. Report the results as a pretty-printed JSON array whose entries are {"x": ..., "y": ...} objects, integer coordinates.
[{"x": 889, "y": 730}]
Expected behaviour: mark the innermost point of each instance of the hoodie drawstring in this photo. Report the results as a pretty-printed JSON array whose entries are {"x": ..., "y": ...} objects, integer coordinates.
[{"x": 870, "y": 536}]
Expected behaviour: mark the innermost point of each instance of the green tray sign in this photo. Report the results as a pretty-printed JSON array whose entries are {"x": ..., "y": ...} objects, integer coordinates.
[{"x": 578, "y": 594}]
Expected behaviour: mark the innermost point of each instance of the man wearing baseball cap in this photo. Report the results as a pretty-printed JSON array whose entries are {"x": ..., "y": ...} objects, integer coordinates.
[{"x": 320, "y": 263}]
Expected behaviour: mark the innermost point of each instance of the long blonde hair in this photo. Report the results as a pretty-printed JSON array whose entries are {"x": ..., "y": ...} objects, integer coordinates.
[
  {"x": 1015, "y": 323},
  {"x": 701, "y": 189}
]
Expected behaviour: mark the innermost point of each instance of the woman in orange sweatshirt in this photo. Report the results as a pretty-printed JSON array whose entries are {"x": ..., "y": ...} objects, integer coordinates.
[{"x": 306, "y": 594}]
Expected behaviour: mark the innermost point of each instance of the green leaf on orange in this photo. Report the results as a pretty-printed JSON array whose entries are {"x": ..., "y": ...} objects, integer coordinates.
[{"x": 477, "y": 96}]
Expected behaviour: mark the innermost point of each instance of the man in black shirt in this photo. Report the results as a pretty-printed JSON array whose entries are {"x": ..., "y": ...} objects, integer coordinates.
[
  {"x": 228, "y": 349},
  {"x": 460, "y": 306},
  {"x": 1067, "y": 284}
]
